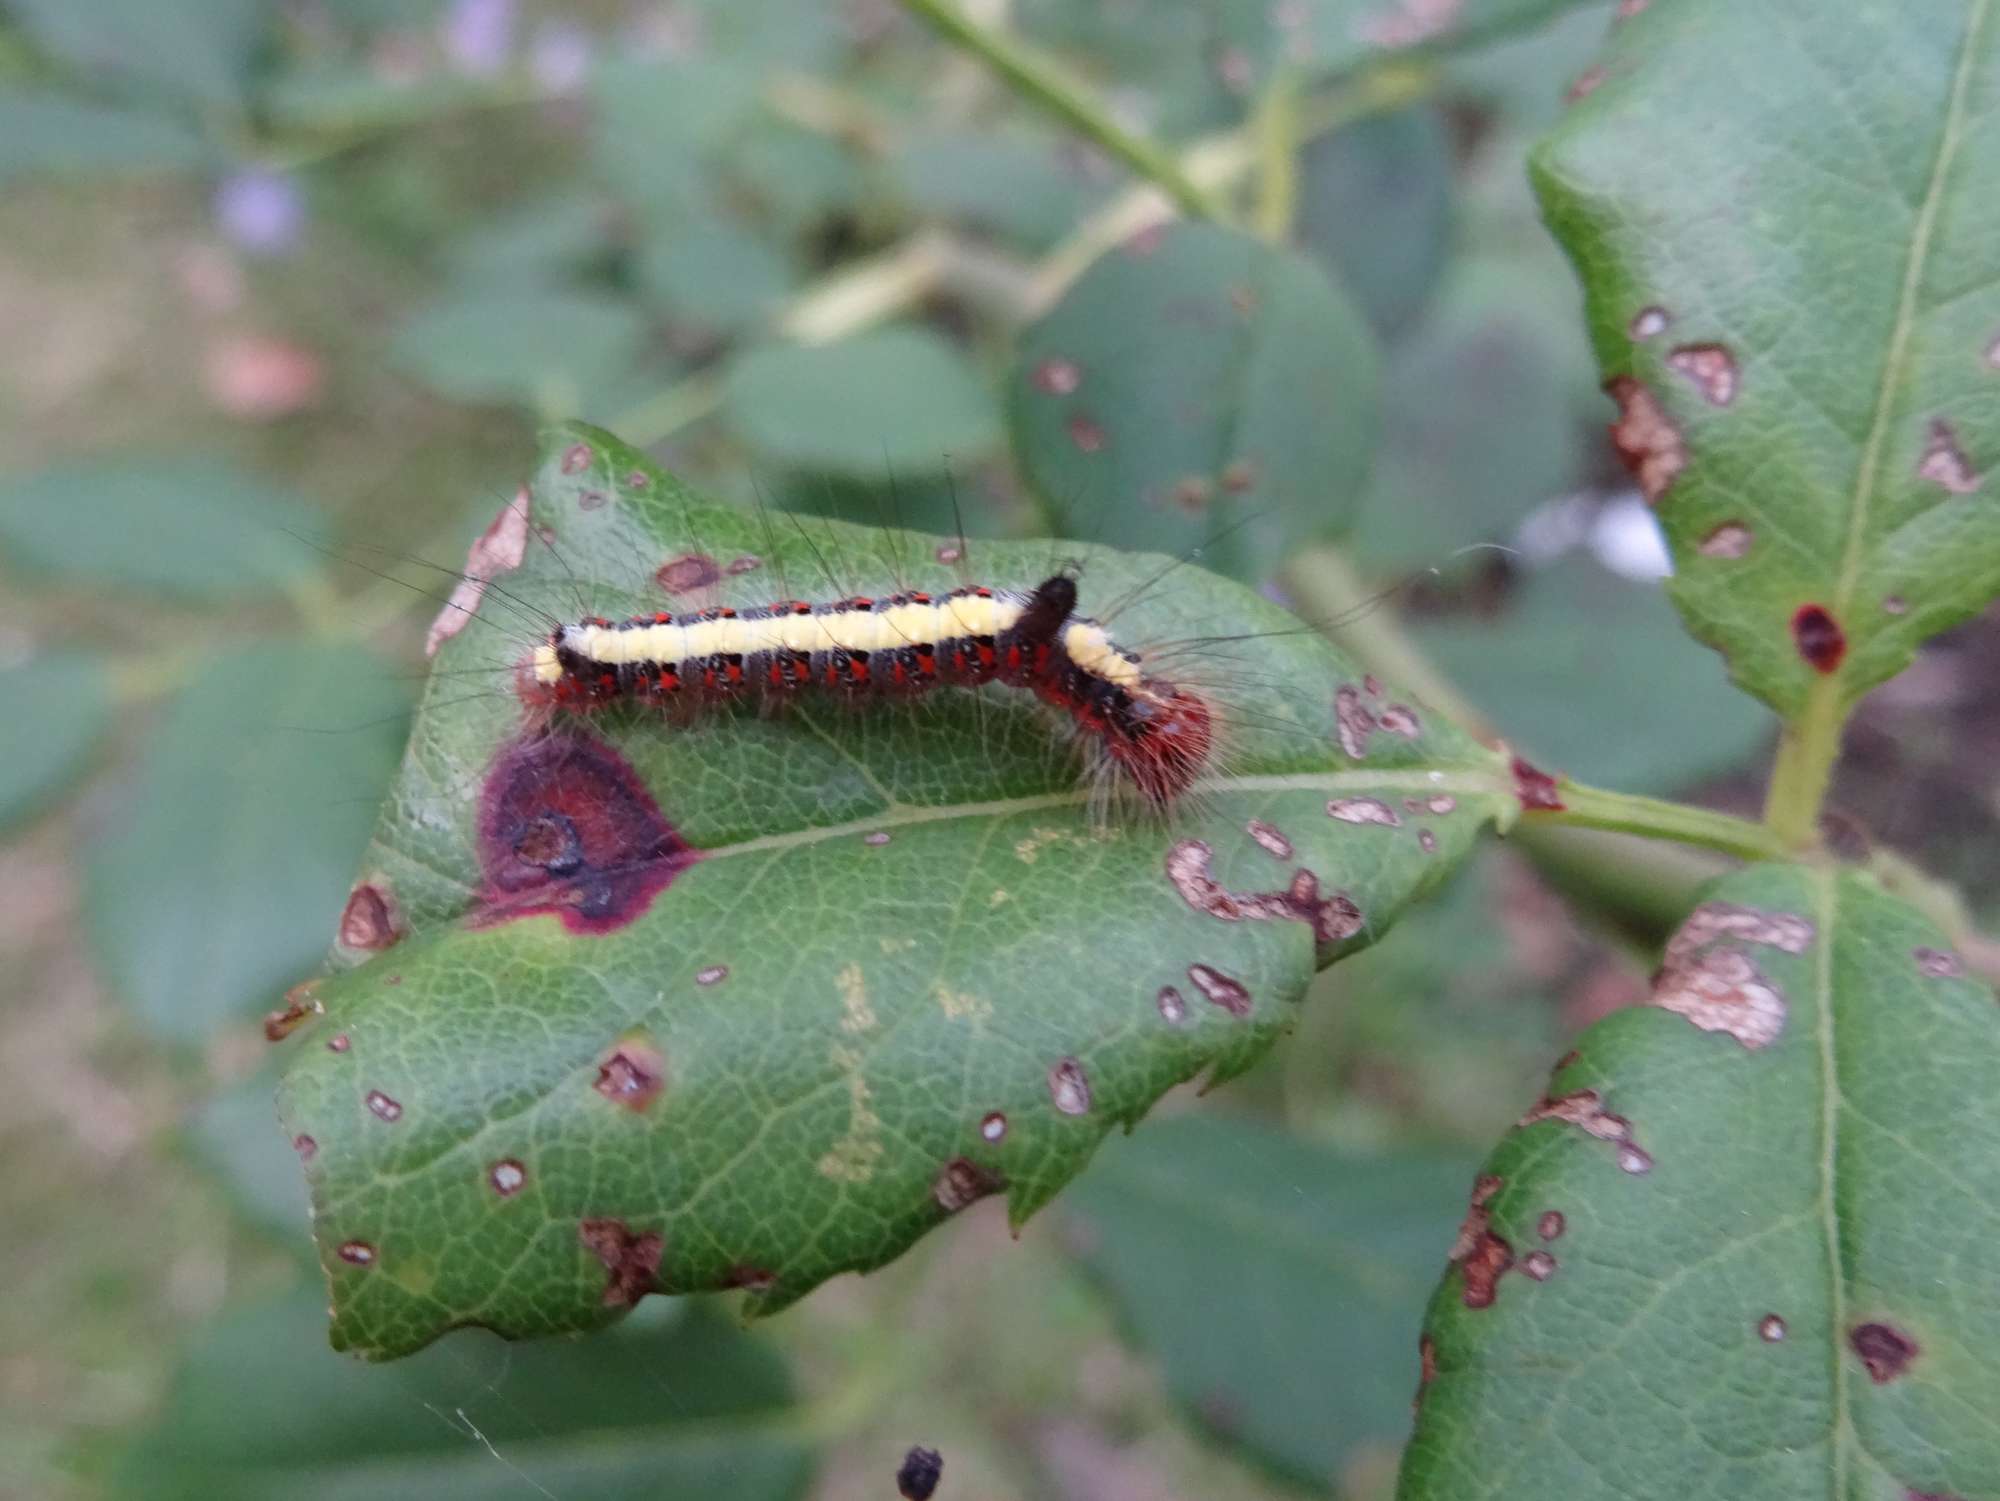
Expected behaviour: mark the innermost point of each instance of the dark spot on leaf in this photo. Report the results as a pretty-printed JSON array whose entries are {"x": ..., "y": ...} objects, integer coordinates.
[
  {"x": 1085, "y": 434},
  {"x": 1220, "y": 989},
  {"x": 1884, "y": 1349},
  {"x": 632, "y": 1074},
  {"x": 1550, "y": 1225},
  {"x": 370, "y": 919},
  {"x": 1566, "y": 1060},
  {"x": 1634, "y": 1159},
  {"x": 566, "y": 827},
  {"x": 1646, "y": 440},
  {"x": 1732, "y": 539},
  {"x": 382, "y": 1106},
  {"x": 356, "y": 1253},
  {"x": 1485, "y": 1188},
  {"x": 1539, "y": 1265},
  {"x": 878, "y": 838},
  {"x": 591, "y": 500},
  {"x": 1483, "y": 1266},
  {"x": 1895, "y": 604},
  {"x": 1238, "y": 475},
  {"x": 1535, "y": 788},
  {"x": 1629, "y": 8},
  {"x": 1192, "y": 493},
  {"x": 688, "y": 573},
  {"x": 1944, "y": 462},
  {"x": 576, "y": 458},
  {"x": 1938, "y": 964},
  {"x": 1333, "y": 918},
  {"x": 962, "y": 1182},
  {"x": 499, "y": 549},
  {"x": 715, "y": 974},
  {"x": 1057, "y": 377},
  {"x": 301, "y": 1004},
  {"x": 337, "y": 1043},
  {"x": 755, "y": 1280},
  {"x": 1585, "y": 85},
  {"x": 917, "y": 1476},
  {"x": 1427, "y": 841},
  {"x": 1819, "y": 638},
  {"x": 1354, "y": 720},
  {"x": 744, "y": 563},
  {"x": 1362, "y": 810},
  {"x": 1427, "y": 1354},
  {"x": 949, "y": 553},
  {"x": 994, "y": 1126},
  {"x": 1706, "y": 976},
  {"x": 1712, "y": 369},
  {"x": 637, "y": 480},
  {"x": 305, "y": 1146},
  {"x": 1172, "y": 1006},
  {"x": 632, "y": 1261},
  {"x": 507, "y": 1177},
  {"x": 1069, "y": 1087},
  {"x": 1770, "y": 1329},
  {"x": 1270, "y": 839},
  {"x": 1649, "y": 322},
  {"x": 1400, "y": 719}
]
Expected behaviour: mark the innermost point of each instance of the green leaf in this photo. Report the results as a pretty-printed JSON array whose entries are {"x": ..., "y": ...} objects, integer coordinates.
[
  {"x": 58, "y": 708},
  {"x": 656, "y": 122},
  {"x": 546, "y": 237},
  {"x": 224, "y": 866},
  {"x": 897, "y": 400},
  {"x": 909, "y": 968},
  {"x": 540, "y": 347},
  {"x": 1197, "y": 387},
  {"x": 231, "y": 1134},
  {"x": 1480, "y": 417},
  {"x": 1744, "y": 1246},
  {"x": 46, "y": 132},
  {"x": 1796, "y": 306},
  {"x": 260, "y": 1408},
  {"x": 1575, "y": 648},
  {"x": 1375, "y": 205},
  {"x": 202, "y": 49},
  {"x": 1012, "y": 185},
  {"x": 1233, "y": 1249},
  {"x": 196, "y": 528},
  {"x": 715, "y": 275}
]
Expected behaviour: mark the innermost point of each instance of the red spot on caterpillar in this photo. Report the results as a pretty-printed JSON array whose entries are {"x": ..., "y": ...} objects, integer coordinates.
[
  {"x": 1819, "y": 638},
  {"x": 566, "y": 827},
  {"x": 499, "y": 549},
  {"x": 370, "y": 920},
  {"x": 1884, "y": 1349},
  {"x": 687, "y": 573},
  {"x": 633, "y": 1261},
  {"x": 1536, "y": 789},
  {"x": 300, "y": 1004}
]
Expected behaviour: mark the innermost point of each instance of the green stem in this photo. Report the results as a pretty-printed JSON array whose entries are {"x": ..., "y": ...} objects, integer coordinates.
[
  {"x": 1804, "y": 767},
  {"x": 1277, "y": 127},
  {"x": 1041, "y": 82},
  {"x": 1626, "y": 813}
]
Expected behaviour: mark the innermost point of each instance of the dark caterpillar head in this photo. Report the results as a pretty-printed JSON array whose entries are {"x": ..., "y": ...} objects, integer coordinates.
[{"x": 1049, "y": 607}]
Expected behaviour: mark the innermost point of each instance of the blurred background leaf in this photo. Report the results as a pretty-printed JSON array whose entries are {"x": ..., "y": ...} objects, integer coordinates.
[{"x": 60, "y": 708}]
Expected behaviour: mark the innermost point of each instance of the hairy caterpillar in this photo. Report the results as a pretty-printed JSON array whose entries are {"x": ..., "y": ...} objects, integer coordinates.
[{"x": 1156, "y": 734}]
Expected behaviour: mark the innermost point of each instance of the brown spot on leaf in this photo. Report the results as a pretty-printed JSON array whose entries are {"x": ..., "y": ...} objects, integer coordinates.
[
  {"x": 1535, "y": 788},
  {"x": 1539, "y": 1265},
  {"x": 637, "y": 480},
  {"x": 1717, "y": 986},
  {"x": 688, "y": 573},
  {"x": 1630, "y": 8},
  {"x": 1585, "y": 85},
  {"x": 1354, "y": 720},
  {"x": 878, "y": 838},
  {"x": 1634, "y": 1159},
  {"x": 743, "y": 563},
  {"x": 507, "y": 1177},
  {"x": 1238, "y": 475},
  {"x": 1362, "y": 810},
  {"x": 371, "y": 919},
  {"x": 1944, "y": 462},
  {"x": 566, "y": 827},
  {"x": 1408, "y": 22},
  {"x": 1333, "y": 918},
  {"x": 1057, "y": 377},
  {"x": 1938, "y": 964},
  {"x": 499, "y": 549},
  {"x": 1770, "y": 1329},
  {"x": 1895, "y": 604},
  {"x": 305, "y": 1146},
  {"x": 1819, "y": 638},
  {"x": 1584, "y": 1109},
  {"x": 1649, "y": 323},
  {"x": 1427, "y": 841},
  {"x": 715, "y": 974},
  {"x": 1427, "y": 1354},
  {"x": 1884, "y": 1349},
  {"x": 1550, "y": 1225},
  {"x": 994, "y": 1126},
  {"x": 1085, "y": 434},
  {"x": 950, "y": 553},
  {"x": 591, "y": 500},
  {"x": 301, "y": 1004},
  {"x": 1220, "y": 989},
  {"x": 1270, "y": 839},
  {"x": 337, "y": 1043},
  {"x": 1400, "y": 719},
  {"x": 1646, "y": 440},
  {"x": 631, "y": 1074},
  {"x": 632, "y": 1261},
  {"x": 1069, "y": 1087},
  {"x": 384, "y": 1108},
  {"x": 1483, "y": 1265},
  {"x": 356, "y": 1253},
  {"x": 1712, "y": 369},
  {"x": 962, "y": 1182},
  {"x": 1732, "y": 539},
  {"x": 576, "y": 458},
  {"x": 755, "y": 1280},
  {"x": 1173, "y": 1007}
]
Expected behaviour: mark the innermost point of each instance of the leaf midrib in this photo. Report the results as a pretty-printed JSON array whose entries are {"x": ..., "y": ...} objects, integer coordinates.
[
  {"x": 1868, "y": 479},
  {"x": 1841, "y": 1430}
]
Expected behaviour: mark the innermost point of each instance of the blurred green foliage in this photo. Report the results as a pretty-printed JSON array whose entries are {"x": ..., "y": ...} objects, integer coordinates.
[{"x": 289, "y": 287}]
